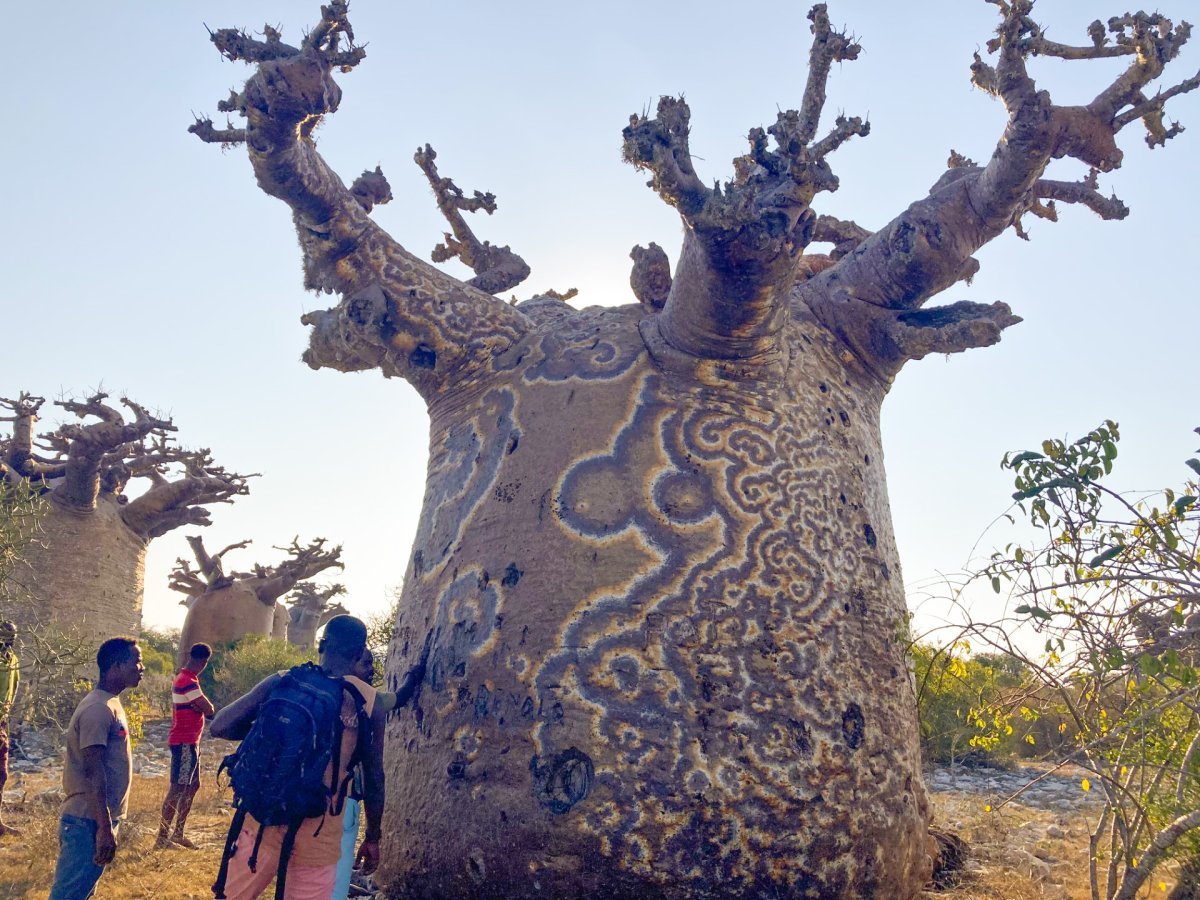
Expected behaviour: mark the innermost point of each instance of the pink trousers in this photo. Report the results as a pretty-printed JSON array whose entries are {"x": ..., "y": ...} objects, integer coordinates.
[{"x": 303, "y": 882}]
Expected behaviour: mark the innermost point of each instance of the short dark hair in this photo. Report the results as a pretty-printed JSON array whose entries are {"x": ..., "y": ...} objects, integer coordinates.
[
  {"x": 114, "y": 652},
  {"x": 344, "y": 636},
  {"x": 200, "y": 651}
]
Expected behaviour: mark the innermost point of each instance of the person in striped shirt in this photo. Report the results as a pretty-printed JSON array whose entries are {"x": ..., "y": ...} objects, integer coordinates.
[{"x": 188, "y": 710}]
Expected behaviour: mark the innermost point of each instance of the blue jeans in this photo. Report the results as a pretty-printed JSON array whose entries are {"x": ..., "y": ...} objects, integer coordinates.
[
  {"x": 341, "y": 887},
  {"x": 75, "y": 875}
]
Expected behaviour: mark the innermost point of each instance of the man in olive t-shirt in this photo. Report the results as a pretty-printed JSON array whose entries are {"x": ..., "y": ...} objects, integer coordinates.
[{"x": 96, "y": 774}]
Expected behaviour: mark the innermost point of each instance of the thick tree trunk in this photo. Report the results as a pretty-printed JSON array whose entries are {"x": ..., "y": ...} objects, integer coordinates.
[
  {"x": 279, "y": 622},
  {"x": 86, "y": 571},
  {"x": 225, "y": 615},
  {"x": 655, "y": 569},
  {"x": 666, "y": 609}
]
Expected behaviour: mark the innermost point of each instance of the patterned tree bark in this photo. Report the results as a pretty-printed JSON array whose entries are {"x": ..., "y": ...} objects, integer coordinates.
[{"x": 655, "y": 570}]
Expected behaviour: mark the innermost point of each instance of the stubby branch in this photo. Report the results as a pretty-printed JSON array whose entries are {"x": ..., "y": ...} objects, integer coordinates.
[
  {"x": 744, "y": 240},
  {"x": 870, "y": 296},
  {"x": 496, "y": 269},
  {"x": 651, "y": 276},
  {"x": 399, "y": 314}
]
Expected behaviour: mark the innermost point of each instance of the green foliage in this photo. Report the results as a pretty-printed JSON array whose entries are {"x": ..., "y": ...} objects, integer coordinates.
[
  {"x": 138, "y": 707},
  {"x": 158, "y": 658},
  {"x": 1113, "y": 586},
  {"x": 237, "y": 668},
  {"x": 159, "y": 646},
  {"x": 380, "y": 628},
  {"x": 960, "y": 699},
  {"x": 158, "y": 652}
]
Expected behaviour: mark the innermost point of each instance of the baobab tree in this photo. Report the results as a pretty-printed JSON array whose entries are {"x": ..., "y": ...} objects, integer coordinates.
[
  {"x": 85, "y": 568},
  {"x": 655, "y": 560},
  {"x": 309, "y": 610},
  {"x": 223, "y": 608}
]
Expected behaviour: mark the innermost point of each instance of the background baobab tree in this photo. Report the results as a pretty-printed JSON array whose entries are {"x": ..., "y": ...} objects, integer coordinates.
[
  {"x": 655, "y": 555},
  {"x": 309, "y": 610},
  {"x": 85, "y": 569},
  {"x": 223, "y": 608}
]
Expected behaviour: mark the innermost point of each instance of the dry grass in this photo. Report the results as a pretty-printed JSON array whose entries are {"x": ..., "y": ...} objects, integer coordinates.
[
  {"x": 139, "y": 871},
  {"x": 1013, "y": 859}
]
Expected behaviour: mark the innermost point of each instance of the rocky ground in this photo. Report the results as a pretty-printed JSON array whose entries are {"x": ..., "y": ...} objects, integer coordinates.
[{"x": 1027, "y": 828}]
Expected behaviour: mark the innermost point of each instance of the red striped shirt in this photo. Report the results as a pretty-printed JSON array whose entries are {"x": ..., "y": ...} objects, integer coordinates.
[{"x": 187, "y": 724}]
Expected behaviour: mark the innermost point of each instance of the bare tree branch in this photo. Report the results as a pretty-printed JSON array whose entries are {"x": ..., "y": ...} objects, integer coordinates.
[
  {"x": 227, "y": 137},
  {"x": 496, "y": 269},
  {"x": 930, "y": 245},
  {"x": 272, "y": 582},
  {"x": 17, "y": 451},
  {"x": 399, "y": 314},
  {"x": 844, "y": 236},
  {"x": 1082, "y": 192},
  {"x": 828, "y": 47},
  {"x": 210, "y": 574},
  {"x": 87, "y": 446},
  {"x": 172, "y": 502},
  {"x": 744, "y": 239}
]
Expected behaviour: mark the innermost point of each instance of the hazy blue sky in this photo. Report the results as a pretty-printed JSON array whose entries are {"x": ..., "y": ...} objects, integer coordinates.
[{"x": 138, "y": 258}]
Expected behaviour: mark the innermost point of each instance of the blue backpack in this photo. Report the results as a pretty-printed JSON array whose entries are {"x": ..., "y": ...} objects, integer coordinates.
[{"x": 278, "y": 771}]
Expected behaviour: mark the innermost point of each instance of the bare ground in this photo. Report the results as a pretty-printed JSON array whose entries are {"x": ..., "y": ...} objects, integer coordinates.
[{"x": 1011, "y": 856}]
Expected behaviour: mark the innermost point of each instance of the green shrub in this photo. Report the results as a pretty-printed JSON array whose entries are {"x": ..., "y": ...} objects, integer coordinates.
[
  {"x": 956, "y": 697},
  {"x": 159, "y": 646},
  {"x": 237, "y": 668}
]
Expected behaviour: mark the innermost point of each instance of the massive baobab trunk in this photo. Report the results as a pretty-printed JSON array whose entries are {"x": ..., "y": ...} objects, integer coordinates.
[
  {"x": 655, "y": 565},
  {"x": 86, "y": 567},
  {"x": 97, "y": 588},
  {"x": 223, "y": 608}
]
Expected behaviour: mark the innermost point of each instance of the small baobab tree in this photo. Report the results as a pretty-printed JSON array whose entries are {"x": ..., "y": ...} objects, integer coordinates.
[
  {"x": 85, "y": 568},
  {"x": 223, "y": 608},
  {"x": 655, "y": 558},
  {"x": 309, "y": 610}
]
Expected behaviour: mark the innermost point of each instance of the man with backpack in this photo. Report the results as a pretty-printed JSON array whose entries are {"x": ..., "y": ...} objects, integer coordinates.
[
  {"x": 189, "y": 708},
  {"x": 302, "y": 732}
]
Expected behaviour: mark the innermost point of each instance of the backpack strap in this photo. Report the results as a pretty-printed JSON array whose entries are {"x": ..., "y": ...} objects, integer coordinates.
[
  {"x": 252, "y": 862},
  {"x": 285, "y": 854},
  {"x": 235, "y": 828}
]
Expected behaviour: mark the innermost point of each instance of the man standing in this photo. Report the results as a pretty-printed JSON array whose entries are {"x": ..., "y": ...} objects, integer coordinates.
[
  {"x": 97, "y": 773},
  {"x": 311, "y": 850},
  {"x": 385, "y": 701},
  {"x": 10, "y": 677},
  {"x": 188, "y": 711}
]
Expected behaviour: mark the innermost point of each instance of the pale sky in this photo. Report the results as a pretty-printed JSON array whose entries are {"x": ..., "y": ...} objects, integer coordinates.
[{"x": 137, "y": 258}]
